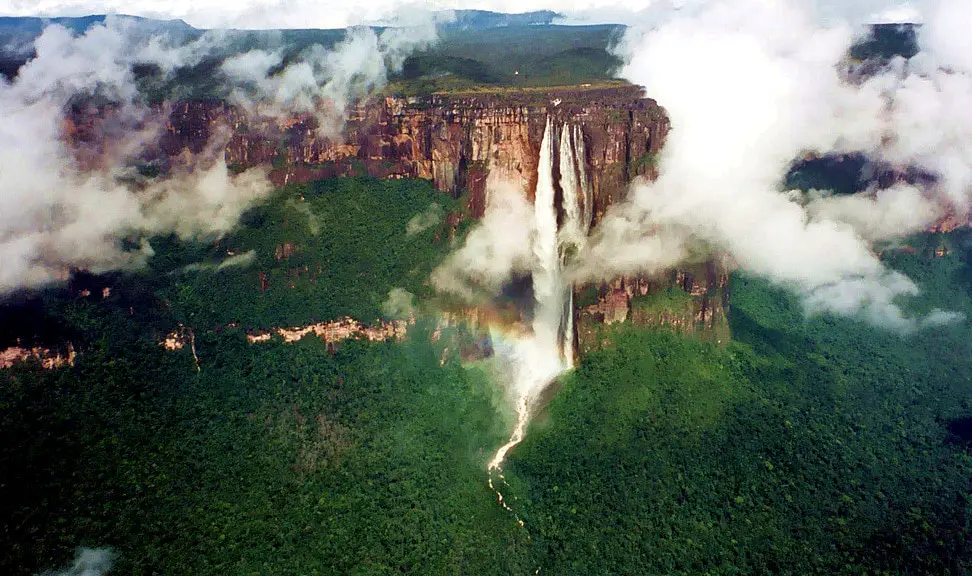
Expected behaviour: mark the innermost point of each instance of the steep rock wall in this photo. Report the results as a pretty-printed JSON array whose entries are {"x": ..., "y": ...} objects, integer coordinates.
[
  {"x": 692, "y": 299},
  {"x": 454, "y": 140}
]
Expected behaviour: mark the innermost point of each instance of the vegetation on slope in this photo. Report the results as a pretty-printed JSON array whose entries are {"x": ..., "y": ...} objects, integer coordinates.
[
  {"x": 515, "y": 57},
  {"x": 820, "y": 446},
  {"x": 321, "y": 251},
  {"x": 274, "y": 459},
  {"x": 817, "y": 446}
]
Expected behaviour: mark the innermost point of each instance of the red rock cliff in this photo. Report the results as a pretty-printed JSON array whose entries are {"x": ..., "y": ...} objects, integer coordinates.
[{"x": 453, "y": 140}]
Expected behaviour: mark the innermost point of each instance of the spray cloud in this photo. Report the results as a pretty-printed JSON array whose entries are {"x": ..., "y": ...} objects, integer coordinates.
[
  {"x": 751, "y": 85},
  {"x": 88, "y": 562}
]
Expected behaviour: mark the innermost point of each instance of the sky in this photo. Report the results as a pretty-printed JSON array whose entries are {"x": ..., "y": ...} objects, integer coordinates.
[{"x": 341, "y": 13}]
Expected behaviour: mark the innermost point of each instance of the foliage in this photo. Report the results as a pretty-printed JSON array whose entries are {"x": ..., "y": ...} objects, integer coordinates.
[
  {"x": 273, "y": 459},
  {"x": 671, "y": 300},
  {"x": 586, "y": 296},
  {"x": 807, "y": 446},
  {"x": 515, "y": 56},
  {"x": 646, "y": 162},
  {"x": 326, "y": 249}
]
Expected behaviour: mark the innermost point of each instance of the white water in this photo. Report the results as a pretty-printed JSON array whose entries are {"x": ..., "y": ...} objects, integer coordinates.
[
  {"x": 532, "y": 365},
  {"x": 577, "y": 217},
  {"x": 549, "y": 288},
  {"x": 578, "y": 196},
  {"x": 580, "y": 152},
  {"x": 534, "y": 362},
  {"x": 569, "y": 184}
]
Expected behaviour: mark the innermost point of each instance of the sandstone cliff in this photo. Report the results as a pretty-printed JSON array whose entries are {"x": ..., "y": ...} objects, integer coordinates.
[
  {"x": 693, "y": 299},
  {"x": 453, "y": 140}
]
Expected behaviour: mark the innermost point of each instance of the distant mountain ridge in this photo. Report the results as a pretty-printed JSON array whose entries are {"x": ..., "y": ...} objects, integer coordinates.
[
  {"x": 78, "y": 24},
  {"x": 451, "y": 20},
  {"x": 485, "y": 19},
  {"x": 475, "y": 49},
  {"x": 17, "y": 33}
]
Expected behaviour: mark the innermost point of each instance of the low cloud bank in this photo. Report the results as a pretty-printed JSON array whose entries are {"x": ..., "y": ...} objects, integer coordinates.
[
  {"x": 76, "y": 196},
  {"x": 752, "y": 85},
  {"x": 326, "y": 82}
]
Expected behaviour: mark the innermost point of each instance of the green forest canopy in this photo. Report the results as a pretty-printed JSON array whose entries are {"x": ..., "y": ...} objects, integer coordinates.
[{"x": 806, "y": 446}]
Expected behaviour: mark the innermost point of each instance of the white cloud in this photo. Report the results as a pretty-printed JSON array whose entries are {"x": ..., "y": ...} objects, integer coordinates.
[
  {"x": 325, "y": 81},
  {"x": 399, "y": 305},
  {"x": 880, "y": 215},
  {"x": 55, "y": 211},
  {"x": 424, "y": 220},
  {"x": 263, "y": 14},
  {"x": 750, "y": 85},
  {"x": 901, "y": 14},
  {"x": 946, "y": 35},
  {"x": 70, "y": 202},
  {"x": 495, "y": 250},
  {"x": 88, "y": 562}
]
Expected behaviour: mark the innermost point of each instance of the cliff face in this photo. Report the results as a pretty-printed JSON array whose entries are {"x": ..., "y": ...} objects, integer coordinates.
[
  {"x": 693, "y": 299},
  {"x": 455, "y": 141}
]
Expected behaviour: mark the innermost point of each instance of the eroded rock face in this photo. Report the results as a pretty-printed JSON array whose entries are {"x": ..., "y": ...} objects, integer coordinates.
[
  {"x": 454, "y": 140},
  {"x": 693, "y": 299},
  {"x": 48, "y": 358},
  {"x": 339, "y": 330}
]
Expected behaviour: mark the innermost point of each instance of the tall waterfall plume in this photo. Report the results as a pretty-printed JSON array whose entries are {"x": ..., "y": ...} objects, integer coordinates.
[
  {"x": 536, "y": 360},
  {"x": 577, "y": 206}
]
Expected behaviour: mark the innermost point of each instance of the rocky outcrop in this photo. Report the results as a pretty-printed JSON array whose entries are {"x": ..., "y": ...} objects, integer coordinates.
[
  {"x": 692, "y": 299},
  {"x": 337, "y": 331},
  {"x": 48, "y": 358}
]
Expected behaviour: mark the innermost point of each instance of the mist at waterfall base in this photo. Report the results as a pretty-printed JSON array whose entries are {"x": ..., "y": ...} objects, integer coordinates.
[
  {"x": 87, "y": 562},
  {"x": 752, "y": 85}
]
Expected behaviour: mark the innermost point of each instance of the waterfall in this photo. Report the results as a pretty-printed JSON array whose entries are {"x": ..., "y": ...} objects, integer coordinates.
[
  {"x": 536, "y": 360},
  {"x": 570, "y": 232},
  {"x": 569, "y": 184},
  {"x": 587, "y": 193},
  {"x": 578, "y": 196},
  {"x": 548, "y": 283},
  {"x": 577, "y": 201}
]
